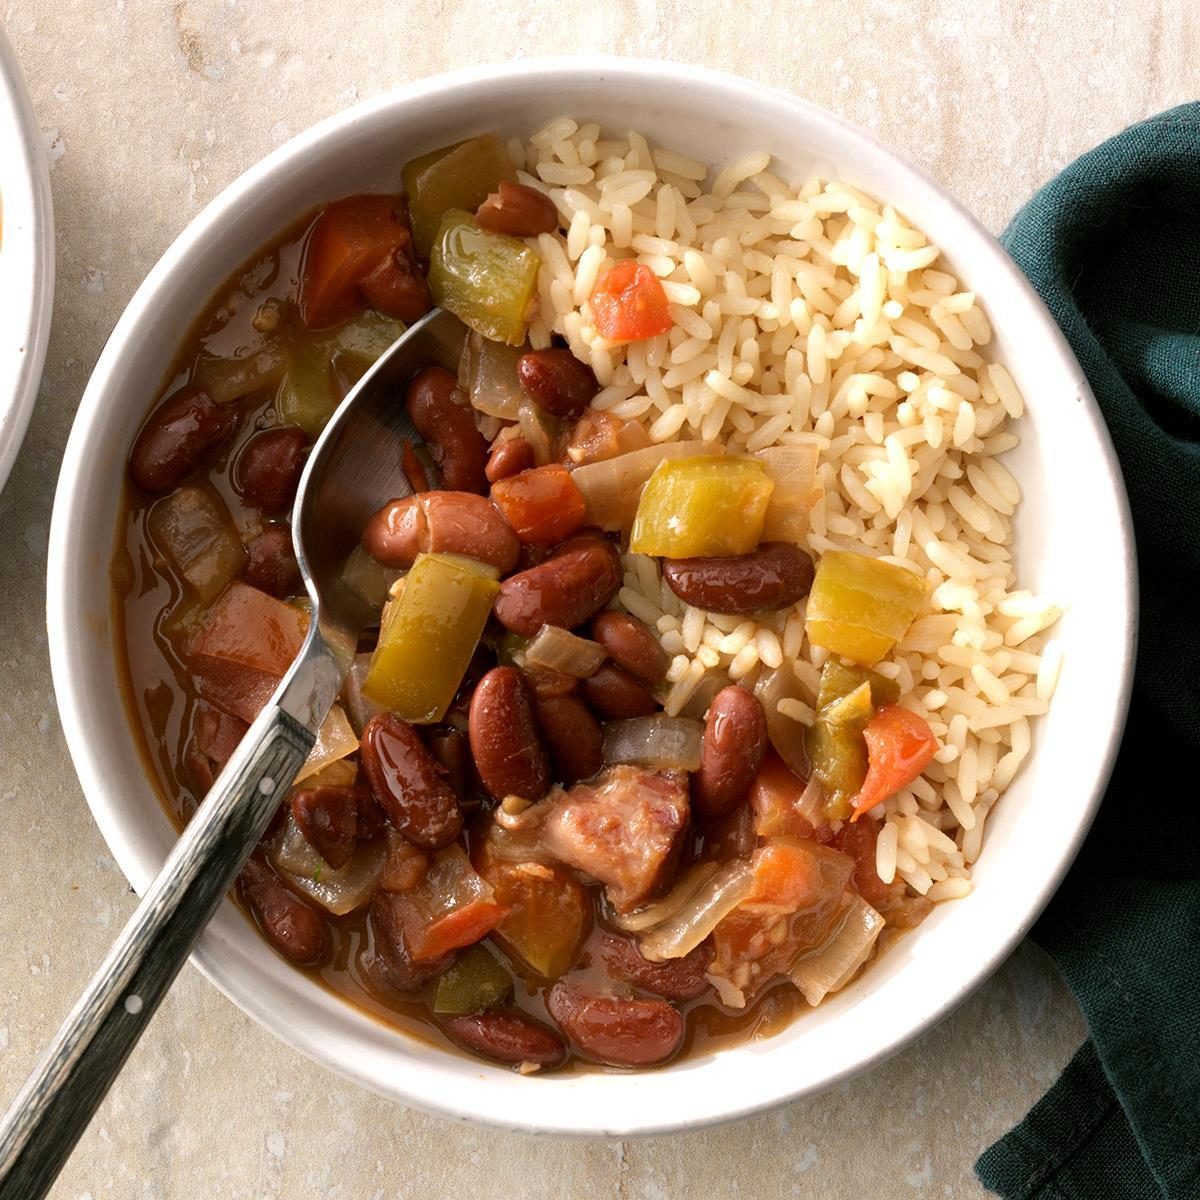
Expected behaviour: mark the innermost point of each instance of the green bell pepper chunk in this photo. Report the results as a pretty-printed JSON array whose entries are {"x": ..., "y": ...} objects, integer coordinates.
[
  {"x": 458, "y": 176},
  {"x": 428, "y": 635},
  {"x": 475, "y": 982},
  {"x": 324, "y": 367},
  {"x": 487, "y": 280}
]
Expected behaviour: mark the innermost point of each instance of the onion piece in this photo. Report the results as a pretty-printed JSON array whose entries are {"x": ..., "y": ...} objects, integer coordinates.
[
  {"x": 194, "y": 531},
  {"x": 834, "y": 964},
  {"x": 487, "y": 372},
  {"x": 611, "y": 488},
  {"x": 651, "y": 915},
  {"x": 715, "y": 900},
  {"x": 556, "y": 649},
  {"x": 786, "y": 733},
  {"x": 540, "y": 429},
  {"x": 368, "y": 578},
  {"x": 335, "y": 739},
  {"x": 659, "y": 742},
  {"x": 339, "y": 891},
  {"x": 711, "y": 682},
  {"x": 358, "y": 708},
  {"x": 811, "y": 805},
  {"x": 228, "y": 379},
  {"x": 794, "y": 471}
]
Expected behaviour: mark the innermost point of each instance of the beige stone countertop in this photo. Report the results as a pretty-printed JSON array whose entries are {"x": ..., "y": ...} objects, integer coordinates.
[{"x": 150, "y": 107}]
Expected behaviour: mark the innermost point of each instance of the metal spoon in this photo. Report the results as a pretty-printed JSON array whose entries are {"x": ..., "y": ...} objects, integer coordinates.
[{"x": 353, "y": 469}]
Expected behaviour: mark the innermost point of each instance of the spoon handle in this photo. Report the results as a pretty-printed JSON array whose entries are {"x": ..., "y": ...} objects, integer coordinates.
[{"x": 75, "y": 1071}]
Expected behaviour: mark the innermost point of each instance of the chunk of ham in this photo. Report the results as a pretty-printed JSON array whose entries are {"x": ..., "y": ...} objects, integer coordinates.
[{"x": 625, "y": 829}]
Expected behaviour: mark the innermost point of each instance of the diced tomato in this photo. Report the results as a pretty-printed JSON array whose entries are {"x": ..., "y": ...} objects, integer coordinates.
[
  {"x": 798, "y": 891},
  {"x": 628, "y": 304},
  {"x": 453, "y": 906},
  {"x": 244, "y": 648},
  {"x": 775, "y": 798},
  {"x": 548, "y": 914},
  {"x": 900, "y": 745},
  {"x": 543, "y": 505},
  {"x": 349, "y": 241}
]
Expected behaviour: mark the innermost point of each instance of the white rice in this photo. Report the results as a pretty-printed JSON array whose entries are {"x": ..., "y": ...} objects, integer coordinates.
[{"x": 817, "y": 314}]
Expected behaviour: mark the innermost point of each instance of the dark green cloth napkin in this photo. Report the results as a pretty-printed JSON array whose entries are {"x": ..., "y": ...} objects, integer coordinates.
[{"x": 1113, "y": 247}]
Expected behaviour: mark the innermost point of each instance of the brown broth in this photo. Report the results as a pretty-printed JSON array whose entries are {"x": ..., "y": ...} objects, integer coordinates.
[{"x": 150, "y": 608}]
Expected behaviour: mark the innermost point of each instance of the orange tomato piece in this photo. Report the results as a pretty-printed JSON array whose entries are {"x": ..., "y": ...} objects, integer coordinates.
[
  {"x": 774, "y": 800},
  {"x": 461, "y": 927},
  {"x": 543, "y": 504},
  {"x": 348, "y": 241},
  {"x": 900, "y": 745},
  {"x": 628, "y": 304}
]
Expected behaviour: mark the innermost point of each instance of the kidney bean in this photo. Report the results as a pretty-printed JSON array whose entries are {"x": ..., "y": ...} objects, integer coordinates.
[
  {"x": 574, "y": 736},
  {"x": 675, "y": 979},
  {"x": 509, "y": 457},
  {"x": 631, "y": 645},
  {"x": 271, "y": 563},
  {"x": 600, "y": 435},
  {"x": 397, "y": 288},
  {"x": 773, "y": 576},
  {"x": 409, "y": 784},
  {"x": 215, "y": 736},
  {"x": 615, "y": 693},
  {"x": 269, "y": 466},
  {"x": 508, "y": 750},
  {"x": 565, "y": 590},
  {"x": 507, "y": 1036},
  {"x": 293, "y": 927},
  {"x": 393, "y": 965},
  {"x": 452, "y": 749},
  {"x": 441, "y": 523},
  {"x": 176, "y": 437},
  {"x": 448, "y": 427},
  {"x": 554, "y": 379},
  {"x": 518, "y": 210},
  {"x": 619, "y": 1032},
  {"x": 735, "y": 740},
  {"x": 332, "y": 819}
]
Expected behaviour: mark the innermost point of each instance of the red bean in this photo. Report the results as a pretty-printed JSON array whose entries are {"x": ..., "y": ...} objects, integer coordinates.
[
  {"x": 508, "y": 750},
  {"x": 565, "y": 590},
  {"x": 441, "y": 523},
  {"x": 328, "y": 817},
  {"x": 615, "y": 693},
  {"x": 507, "y": 1036},
  {"x": 631, "y": 645},
  {"x": 546, "y": 683},
  {"x": 449, "y": 430},
  {"x": 509, "y": 457},
  {"x": 574, "y": 736},
  {"x": 177, "y": 436},
  {"x": 397, "y": 288},
  {"x": 269, "y": 466},
  {"x": 619, "y": 1032},
  {"x": 271, "y": 563},
  {"x": 557, "y": 381},
  {"x": 394, "y": 965},
  {"x": 293, "y": 927},
  {"x": 675, "y": 979},
  {"x": 735, "y": 740},
  {"x": 409, "y": 784},
  {"x": 518, "y": 210},
  {"x": 773, "y": 576}
]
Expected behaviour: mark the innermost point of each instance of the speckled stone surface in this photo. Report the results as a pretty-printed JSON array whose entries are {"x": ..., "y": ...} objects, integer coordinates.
[{"x": 149, "y": 108}]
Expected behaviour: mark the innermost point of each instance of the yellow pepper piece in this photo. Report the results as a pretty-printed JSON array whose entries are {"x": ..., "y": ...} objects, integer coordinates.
[
  {"x": 702, "y": 507},
  {"x": 428, "y": 636},
  {"x": 860, "y": 607}
]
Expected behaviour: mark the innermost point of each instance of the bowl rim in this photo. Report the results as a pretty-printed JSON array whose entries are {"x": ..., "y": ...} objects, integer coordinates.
[
  {"x": 29, "y": 223},
  {"x": 65, "y": 542}
]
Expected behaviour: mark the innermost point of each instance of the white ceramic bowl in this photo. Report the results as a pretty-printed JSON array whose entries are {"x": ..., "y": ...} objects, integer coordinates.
[
  {"x": 1073, "y": 534},
  {"x": 26, "y": 257}
]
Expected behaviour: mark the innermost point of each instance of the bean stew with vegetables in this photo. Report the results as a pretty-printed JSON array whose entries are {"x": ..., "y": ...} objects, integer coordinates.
[{"x": 505, "y": 837}]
